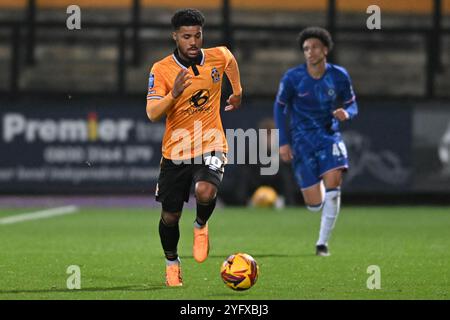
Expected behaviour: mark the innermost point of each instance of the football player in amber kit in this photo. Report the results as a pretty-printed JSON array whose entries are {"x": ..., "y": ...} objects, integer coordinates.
[{"x": 186, "y": 88}]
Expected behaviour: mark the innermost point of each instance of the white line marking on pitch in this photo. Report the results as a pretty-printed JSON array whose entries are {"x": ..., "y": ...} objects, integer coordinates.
[{"x": 39, "y": 215}]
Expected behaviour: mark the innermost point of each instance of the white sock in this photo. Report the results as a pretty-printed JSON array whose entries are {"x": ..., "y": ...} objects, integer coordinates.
[
  {"x": 198, "y": 226},
  {"x": 171, "y": 262},
  {"x": 330, "y": 212}
]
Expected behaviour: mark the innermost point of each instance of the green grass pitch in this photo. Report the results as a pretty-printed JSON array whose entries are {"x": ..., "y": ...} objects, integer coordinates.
[{"x": 120, "y": 257}]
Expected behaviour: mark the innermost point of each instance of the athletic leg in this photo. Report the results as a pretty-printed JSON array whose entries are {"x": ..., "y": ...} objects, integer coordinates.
[
  {"x": 169, "y": 233},
  {"x": 207, "y": 178},
  {"x": 313, "y": 196},
  {"x": 332, "y": 180},
  {"x": 205, "y": 193},
  {"x": 172, "y": 190}
]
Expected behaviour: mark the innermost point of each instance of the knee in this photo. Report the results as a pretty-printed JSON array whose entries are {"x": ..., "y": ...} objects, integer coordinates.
[
  {"x": 172, "y": 206},
  {"x": 333, "y": 180},
  {"x": 205, "y": 192},
  {"x": 170, "y": 218}
]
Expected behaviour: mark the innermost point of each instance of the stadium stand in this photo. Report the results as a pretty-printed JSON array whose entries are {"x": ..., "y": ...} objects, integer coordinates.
[{"x": 264, "y": 42}]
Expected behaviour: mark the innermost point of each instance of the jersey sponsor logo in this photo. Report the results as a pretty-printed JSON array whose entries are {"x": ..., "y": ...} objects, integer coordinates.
[
  {"x": 303, "y": 94},
  {"x": 198, "y": 102},
  {"x": 199, "y": 98},
  {"x": 151, "y": 81},
  {"x": 215, "y": 75}
]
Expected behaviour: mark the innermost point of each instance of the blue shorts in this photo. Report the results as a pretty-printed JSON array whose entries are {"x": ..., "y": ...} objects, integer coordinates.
[{"x": 310, "y": 165}]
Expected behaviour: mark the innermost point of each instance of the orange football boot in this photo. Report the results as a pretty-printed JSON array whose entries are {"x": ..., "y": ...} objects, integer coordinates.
[
  {"x": 200, "y": 249},
  {"x": 173, "y": 275}
]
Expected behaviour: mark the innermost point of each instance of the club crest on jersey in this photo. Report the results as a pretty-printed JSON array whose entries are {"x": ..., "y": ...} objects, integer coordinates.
[
  {"x": 331, "y": 92},
  {"x": 151, "y": 81},
  {"x": 215, "y": 75}
]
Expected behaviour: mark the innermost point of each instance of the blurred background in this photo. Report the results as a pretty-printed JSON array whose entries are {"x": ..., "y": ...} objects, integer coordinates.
[{"x": 72, "y": 102}]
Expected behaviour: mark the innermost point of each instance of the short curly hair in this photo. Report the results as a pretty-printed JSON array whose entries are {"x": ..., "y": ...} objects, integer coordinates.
[
  {"x": 316, "y": 32},
  {"x": 187, "y": 17}
]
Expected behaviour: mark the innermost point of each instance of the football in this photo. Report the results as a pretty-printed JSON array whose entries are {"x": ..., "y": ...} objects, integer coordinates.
[
  {"x": 239, "y": 271},
  {"x": 264, "y": 197}
]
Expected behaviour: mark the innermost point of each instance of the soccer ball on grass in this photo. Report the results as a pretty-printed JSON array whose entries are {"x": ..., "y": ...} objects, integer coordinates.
[{"x": 239, "y": 271}]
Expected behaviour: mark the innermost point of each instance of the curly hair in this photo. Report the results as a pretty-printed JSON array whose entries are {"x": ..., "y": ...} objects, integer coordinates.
[
  {"x": 187, "y": 17},
  {"x": 316, "y": 32}
]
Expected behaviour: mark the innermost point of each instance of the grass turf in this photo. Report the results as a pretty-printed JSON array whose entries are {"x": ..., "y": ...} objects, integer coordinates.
[{"x": 120, "y": 255}]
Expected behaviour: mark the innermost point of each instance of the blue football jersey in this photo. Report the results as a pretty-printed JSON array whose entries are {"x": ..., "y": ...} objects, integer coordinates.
[{"x": 310, "y": 103}]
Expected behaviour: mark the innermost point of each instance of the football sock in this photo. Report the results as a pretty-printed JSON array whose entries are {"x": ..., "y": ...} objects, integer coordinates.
[
  {"x": 204, "y": 211},
  {"x": 197, "y": 225},
  {"x": 330, "y": 212},
  {"x": 169, "y": 236},
  {"x": 315, "y": 208},
  {"x": 171, "y": 262}
]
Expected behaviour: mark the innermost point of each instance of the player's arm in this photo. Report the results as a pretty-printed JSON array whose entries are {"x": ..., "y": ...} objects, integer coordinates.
[
  {"x": 232, "y": 72},
  {"x": 350, "y": 107},
  {"x": 280, "y": 122},
  {"x": 349, "y": 111},
  {"x": 284, "y": 95},
  {"x": 157, "y": 107}
]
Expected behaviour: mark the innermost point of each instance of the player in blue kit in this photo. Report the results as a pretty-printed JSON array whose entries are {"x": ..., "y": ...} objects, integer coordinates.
[{"x": 316, "y": 96}]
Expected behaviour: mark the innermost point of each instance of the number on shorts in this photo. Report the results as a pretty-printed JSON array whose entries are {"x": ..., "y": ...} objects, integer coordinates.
[
  {"x": 339, "y": 149},
  {"x": 213, "y": 162}
]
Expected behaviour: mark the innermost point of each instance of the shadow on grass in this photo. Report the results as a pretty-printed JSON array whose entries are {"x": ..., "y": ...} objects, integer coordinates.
[
  {"x": 135, "y": 288},
  {"x": 231, "y": 295},
  {"x": 256, "y": 256}
]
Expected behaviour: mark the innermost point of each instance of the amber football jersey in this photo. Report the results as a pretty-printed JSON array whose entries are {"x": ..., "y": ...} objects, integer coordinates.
[{"x": 193, "y": 123}]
